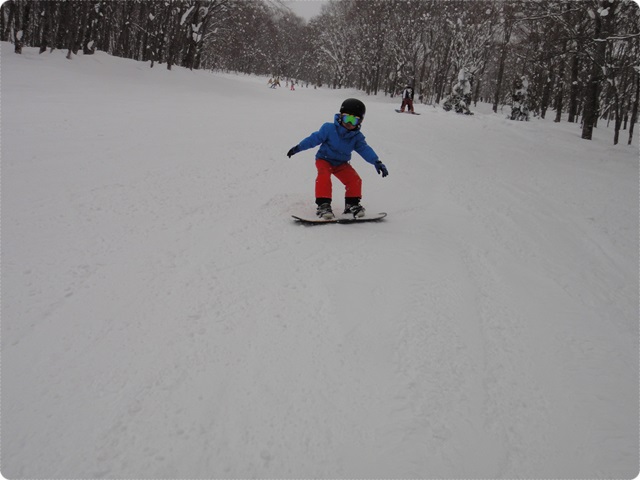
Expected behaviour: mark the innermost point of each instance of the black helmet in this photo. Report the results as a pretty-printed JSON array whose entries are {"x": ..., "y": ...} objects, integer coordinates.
[{"x": 353, "y": 106}]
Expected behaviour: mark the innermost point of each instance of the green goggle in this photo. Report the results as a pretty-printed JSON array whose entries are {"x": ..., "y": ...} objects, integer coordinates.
[{"x": 352, "y": 119}]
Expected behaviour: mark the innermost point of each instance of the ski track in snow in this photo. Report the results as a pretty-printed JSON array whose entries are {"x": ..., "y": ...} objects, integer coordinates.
[{"x": 162, "y": 316}]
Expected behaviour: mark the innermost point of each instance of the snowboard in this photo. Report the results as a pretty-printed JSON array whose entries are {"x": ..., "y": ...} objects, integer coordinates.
[
  {"x": 376, "y": 217},
  {"x": 412, "y": 113}
]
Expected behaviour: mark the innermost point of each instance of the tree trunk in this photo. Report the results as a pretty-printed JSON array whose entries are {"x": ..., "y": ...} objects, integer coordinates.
[
  {"x": 45, "y": 35},
  {"x": 595, "y": 78},
  {"x": 559, "y": 93},
  {"x": 603, "y": 28},
  {"x": 503, "y": 57},
  {"x": 573, "y": 91},
  {"x": 18, "y": 32},
  {"x": 634, "y": 112},
  {"x": 546, "y": 92}
]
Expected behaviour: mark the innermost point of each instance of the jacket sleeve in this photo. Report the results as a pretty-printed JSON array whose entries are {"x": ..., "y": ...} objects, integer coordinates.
[
  {"x": 365, "y": 151},
  {"x": 315, "y": 139}
]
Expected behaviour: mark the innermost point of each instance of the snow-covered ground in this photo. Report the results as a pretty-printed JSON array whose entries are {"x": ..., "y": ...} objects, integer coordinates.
[{"x": 164, "y": 317}]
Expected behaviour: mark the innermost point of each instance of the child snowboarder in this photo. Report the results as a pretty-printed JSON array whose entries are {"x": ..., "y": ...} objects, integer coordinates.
[{"x": 337, "y": 140}]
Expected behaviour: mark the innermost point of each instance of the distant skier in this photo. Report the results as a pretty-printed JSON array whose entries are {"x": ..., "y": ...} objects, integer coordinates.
[
  {"x": 337, "y": 140},
  {"x": 407, "y": 99}
]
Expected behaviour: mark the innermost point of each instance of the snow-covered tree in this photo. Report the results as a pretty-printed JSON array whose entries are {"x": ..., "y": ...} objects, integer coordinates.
[
  {"x": 460, "y": 97},
  {"x": 520, "y": 100}
]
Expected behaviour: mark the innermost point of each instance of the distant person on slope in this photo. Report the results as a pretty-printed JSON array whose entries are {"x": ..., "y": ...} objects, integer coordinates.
[
  {"x": 337, "y": 140},
  {"x": 407, "y": 99}
]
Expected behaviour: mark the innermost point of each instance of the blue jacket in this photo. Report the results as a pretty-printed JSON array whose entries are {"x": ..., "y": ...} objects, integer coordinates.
[{"x": 338, "y": 143}]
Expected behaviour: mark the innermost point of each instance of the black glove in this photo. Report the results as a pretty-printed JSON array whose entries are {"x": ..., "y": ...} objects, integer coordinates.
[
  {"x": 293, "y": 151},
  {"x": 381, "y": 169}
]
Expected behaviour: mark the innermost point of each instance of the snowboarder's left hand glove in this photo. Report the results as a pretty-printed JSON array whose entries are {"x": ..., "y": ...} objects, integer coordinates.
[
  {"x": 381, "y": 169},
  {"x": 293, "y": 151}
]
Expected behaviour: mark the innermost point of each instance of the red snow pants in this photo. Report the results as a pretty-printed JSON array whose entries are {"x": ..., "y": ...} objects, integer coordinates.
[
  {"x": 407, "y": 102},
  {"x": 345, "y": 173}
]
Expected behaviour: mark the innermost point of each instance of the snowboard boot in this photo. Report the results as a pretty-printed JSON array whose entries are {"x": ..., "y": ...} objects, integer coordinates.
[
  {"x": 353, "y": 207},
  {"x": 324, "y": 211}
]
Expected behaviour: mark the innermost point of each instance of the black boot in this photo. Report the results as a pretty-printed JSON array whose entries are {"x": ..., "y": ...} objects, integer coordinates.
[
  {"x": 352, "y": 206},
  {"x": 324, "y": 208}
]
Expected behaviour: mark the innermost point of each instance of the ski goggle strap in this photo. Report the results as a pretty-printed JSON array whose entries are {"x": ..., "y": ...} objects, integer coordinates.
[{"x": 352, "y": 119}]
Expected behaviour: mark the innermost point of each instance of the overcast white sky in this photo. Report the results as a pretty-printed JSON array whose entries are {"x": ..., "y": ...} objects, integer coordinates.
[{"x": 305, "y": 8}]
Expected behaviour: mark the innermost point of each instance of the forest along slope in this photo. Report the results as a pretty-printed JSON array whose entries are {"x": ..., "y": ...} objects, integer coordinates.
[{"x": 162, "y": 315}]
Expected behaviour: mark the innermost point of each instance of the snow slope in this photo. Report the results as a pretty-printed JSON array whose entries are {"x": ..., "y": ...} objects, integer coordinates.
[{"x": 163, "y": 317}]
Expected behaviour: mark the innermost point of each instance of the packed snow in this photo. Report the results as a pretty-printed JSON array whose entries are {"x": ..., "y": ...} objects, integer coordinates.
[{"x": 163, "y": 316}]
